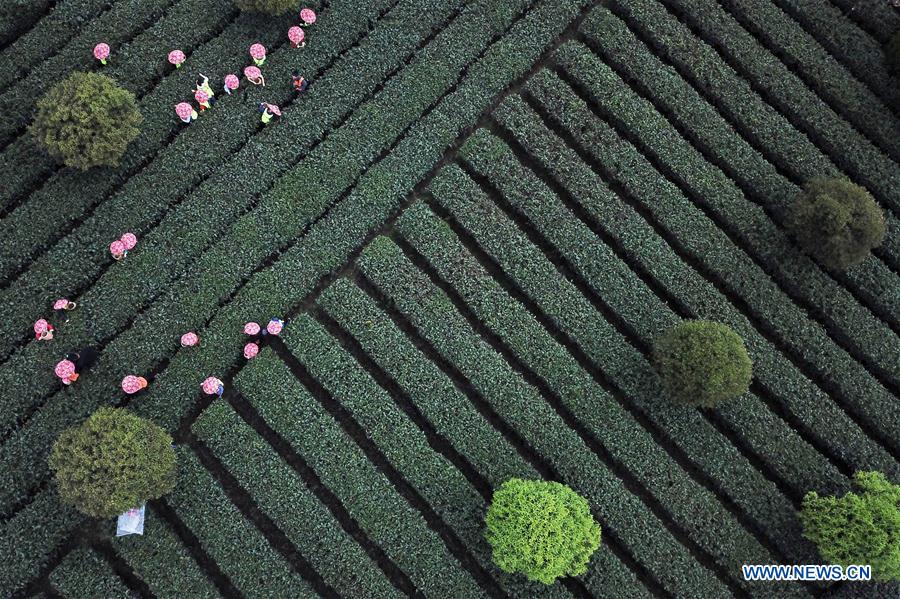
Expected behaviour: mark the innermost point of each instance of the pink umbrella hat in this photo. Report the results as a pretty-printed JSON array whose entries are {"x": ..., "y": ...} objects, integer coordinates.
[
  {"x": 117, "y": 249},
  {"x": 184, "y": 110},
  {"x": 274, "y": 327},
  {"x": 308, "y": 16},
  {"x": 64, "y": 369},
  {"x": 253, "y": 74},
  {"x": 176, "y": 57},
  {"x": 251, "y": 328},
  {"x": 133, "y": 384},
  {"x": 250, "y": 350},
  {"x": 101, "y": 52},
  {"x": 258, "y": 53},
  {"x": 129, "y": 240},
  {"x": 189, "y": 339},
  {"x": 211, "y": 385},
  {"x": 296, "y": 35}
]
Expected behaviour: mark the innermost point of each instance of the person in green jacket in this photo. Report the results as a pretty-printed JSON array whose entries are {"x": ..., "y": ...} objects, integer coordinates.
[
  {"x": 268, "y": 112},
  {"x": 203, "y": 85}
]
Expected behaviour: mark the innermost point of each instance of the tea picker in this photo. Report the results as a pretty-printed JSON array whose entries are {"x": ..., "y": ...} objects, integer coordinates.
[
  {"x": 202, "y": 99},
  {"x": 269, "y": 111},
  {"x": 43, "y": 330},
  {"x": 275, "y": 327},
  {"x": 231, "y": 83},
  {"x": 203, "y": 85},
  {"x": 185, "y": 112},
  {"x": 101, "y": 52},
  {"x": 252, "y": 329},
  {"x": 213, "y": 386},
  {"x": 60, "y": 307},
  {"x": 299, "y": 82},
  {"x": 131, "y": 384},
  {"x": 189, "y": 339},
  {"x": 176, "y": 58},
  {"x": 258, "y": 54},
  {"x": 254, "y": 76},
  {"x": 70, "y": 368},
  {"x": 118, "y": 251},
  {"x": 296, "y": 35},
  {"x": 308, "y": 16}
]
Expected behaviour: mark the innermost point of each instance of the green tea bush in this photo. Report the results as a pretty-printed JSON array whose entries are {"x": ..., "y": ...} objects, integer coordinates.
[
  {"x": 542, "y": 529},
  {"x": 858, "y": 529},
  {"x": 892, "y": 53},
  {"x": 18, "y": 10},
  {"x": 87, "y": 120},
  {"x": 836, "y": 222},
  {"x": 702, "y": 363},
  {"x": 272, "y": 7},
  {"x": 112, "y": 462}
]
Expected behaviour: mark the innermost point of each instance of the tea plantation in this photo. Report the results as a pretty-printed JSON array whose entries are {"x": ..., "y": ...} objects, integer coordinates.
[{"x": 476, "y": 223}]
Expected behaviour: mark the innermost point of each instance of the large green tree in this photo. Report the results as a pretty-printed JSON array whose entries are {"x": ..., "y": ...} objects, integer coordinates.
[
  {"x": 86, "y": 120},
  {"x": 112, "y": 462},
  {"x": 859, "y": 528},
  {"x": 541, "y": 529},
  {"x": 836, "y": 221},
  {"x": 702, "y": 363}
]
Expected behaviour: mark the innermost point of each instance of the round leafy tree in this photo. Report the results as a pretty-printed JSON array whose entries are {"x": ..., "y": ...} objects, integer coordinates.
[
  {"x": 112, "y": 462},
  {"x": 86, "y": 120},
  {"x": 858, "y": 529},
  {"x": 892, "y": 53},
  {"x": 702, "y": 363},
  {"x": 836, "y": 221},
  {"x": 273, "y": 7},
  {"x": 541, "y": 529}
]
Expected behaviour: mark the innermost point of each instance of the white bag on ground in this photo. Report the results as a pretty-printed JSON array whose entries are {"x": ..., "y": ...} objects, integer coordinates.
[{"x": 131, "y": 522}]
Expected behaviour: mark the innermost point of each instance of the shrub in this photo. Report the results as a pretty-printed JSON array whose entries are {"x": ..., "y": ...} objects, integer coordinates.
[
  {"x": 272, "y": 7},
  {"x": 86, "y": 120},
  {"x": 892, "y": 53},
  {"x": 541, "y": 529},
  {"x": 836, "y": 221},
  {"x": 858, "y": 529},
  {"x": 18, "y": 10},
  {"x": 702, "y": 363},
  {"x": 112, "y": 462}
]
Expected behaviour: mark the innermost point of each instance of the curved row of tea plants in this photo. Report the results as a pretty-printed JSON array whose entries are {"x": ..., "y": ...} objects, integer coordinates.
[{"x": 325, "y": 246}]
